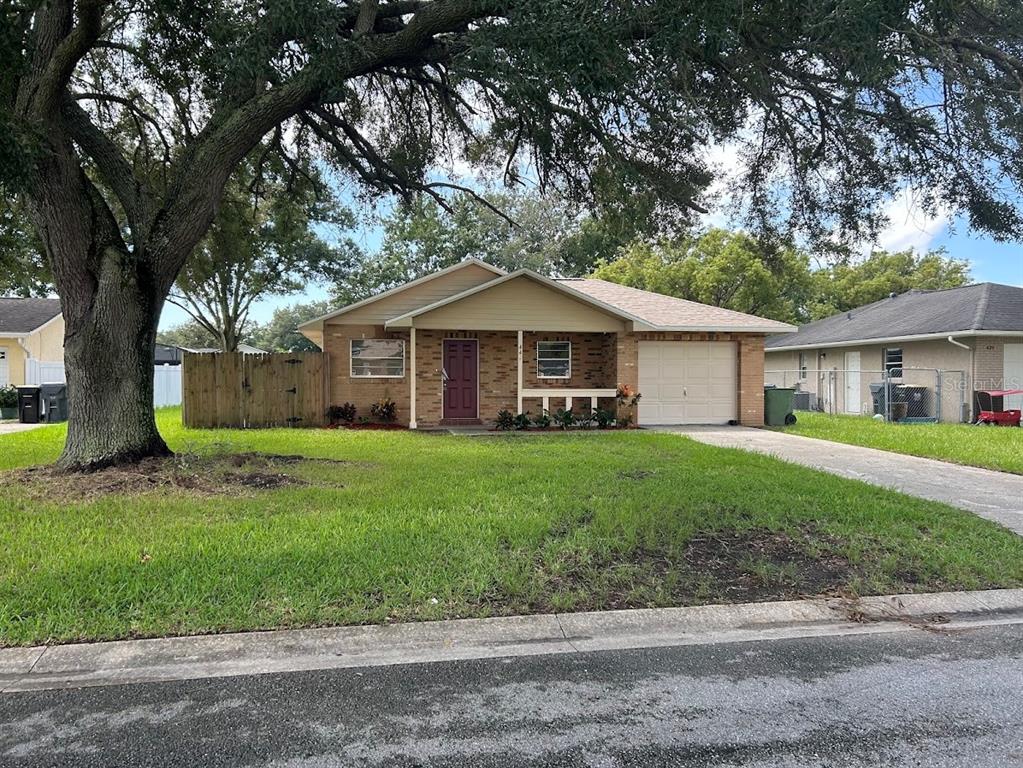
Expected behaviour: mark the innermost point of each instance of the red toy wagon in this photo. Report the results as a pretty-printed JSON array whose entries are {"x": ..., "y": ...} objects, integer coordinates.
[{"x": 988, "y": 414}]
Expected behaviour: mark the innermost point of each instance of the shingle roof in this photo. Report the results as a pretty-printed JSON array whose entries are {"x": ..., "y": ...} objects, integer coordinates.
[
  {"x": 25, "y": 315},
  {"x": 979, "y": 307},
  {"x": 668, "y": 311}
]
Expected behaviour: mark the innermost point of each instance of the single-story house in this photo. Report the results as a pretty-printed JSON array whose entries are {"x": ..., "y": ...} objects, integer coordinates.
[
  {"x": 462, "y": 344},
  {"x": 30, "y": 329},
  {"x": 973, "y": 335}
]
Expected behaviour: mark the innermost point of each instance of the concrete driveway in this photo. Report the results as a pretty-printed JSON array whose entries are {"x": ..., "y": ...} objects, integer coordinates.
[{"x": 997, "y": 496}]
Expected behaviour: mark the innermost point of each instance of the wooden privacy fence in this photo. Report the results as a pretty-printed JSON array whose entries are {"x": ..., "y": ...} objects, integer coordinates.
[{"x": 231, "y": 389}]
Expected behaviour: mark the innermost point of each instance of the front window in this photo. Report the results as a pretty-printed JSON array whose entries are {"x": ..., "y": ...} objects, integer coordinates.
[
  {"x": 378, "y": 358},
  {"x": 554, "y": 359},
  {"x": 893, "y": 361},
  {"x": 802, "y": 366}
]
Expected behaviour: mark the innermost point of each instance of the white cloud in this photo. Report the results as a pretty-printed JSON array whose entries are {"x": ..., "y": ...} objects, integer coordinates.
[{"x": 909, "y": 225}]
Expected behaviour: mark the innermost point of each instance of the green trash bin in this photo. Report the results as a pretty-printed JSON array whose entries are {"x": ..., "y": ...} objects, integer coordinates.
[{"x": 778, "y": 406}]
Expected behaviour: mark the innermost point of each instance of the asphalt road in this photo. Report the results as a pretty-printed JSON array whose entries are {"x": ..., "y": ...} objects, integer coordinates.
[{"x": 921, "y": 698}]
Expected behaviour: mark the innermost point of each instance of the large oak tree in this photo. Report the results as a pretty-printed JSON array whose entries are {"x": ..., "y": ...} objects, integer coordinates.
[{"x": 121, "y": 121}]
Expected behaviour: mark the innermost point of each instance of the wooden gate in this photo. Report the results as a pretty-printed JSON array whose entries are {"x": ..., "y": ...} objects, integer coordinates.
[{"x": 231, "y": 389}]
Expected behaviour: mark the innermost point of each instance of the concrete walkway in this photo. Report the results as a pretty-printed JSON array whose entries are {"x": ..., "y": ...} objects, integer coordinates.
[
  {"x": 997, "y": 496},
  {"x": 10, "y": 427}
]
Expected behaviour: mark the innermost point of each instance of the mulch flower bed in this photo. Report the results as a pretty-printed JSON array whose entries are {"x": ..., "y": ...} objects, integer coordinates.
[{"x": 368, "y": 425}]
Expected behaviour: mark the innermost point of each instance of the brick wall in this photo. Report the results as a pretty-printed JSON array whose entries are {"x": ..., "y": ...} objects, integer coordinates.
[{"x": 359, "y": 391}]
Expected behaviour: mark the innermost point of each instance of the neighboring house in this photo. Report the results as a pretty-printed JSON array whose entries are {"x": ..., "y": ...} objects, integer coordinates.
[
  {"x": 457, "y": 346},
  {"x": 245, "y": 349},
  {"x": 30, "y": 329},
  {"x": 973, "y": 333}
]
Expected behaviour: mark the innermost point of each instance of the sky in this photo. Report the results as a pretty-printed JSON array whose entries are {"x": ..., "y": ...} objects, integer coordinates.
[{"x": 990, "y": 261}]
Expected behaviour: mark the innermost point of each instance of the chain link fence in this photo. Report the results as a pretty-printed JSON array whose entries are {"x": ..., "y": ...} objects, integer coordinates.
[{"x": 898, "y": 394}]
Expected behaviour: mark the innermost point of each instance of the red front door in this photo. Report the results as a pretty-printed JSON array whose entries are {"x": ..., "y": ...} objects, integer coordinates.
[{"x": 461, "y": 379}]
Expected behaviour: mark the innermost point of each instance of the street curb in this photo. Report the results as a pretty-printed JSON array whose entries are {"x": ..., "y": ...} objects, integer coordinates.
[{"x": 250, "y": 653}]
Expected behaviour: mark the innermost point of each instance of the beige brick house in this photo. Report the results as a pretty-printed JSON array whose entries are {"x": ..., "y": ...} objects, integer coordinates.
[
  {"x": 459, "y": 345},
  {"x": 972, "y": 335}
]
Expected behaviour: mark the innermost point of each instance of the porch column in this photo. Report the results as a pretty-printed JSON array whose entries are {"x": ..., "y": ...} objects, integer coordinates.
[
  {"x": 412, "y": 378},
  {"x": 518, "y": 381}
]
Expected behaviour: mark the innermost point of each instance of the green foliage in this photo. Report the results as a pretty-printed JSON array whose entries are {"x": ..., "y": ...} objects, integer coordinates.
[
  {"x": 542, "y": 420},
  {"x": 725, "y": 269},
  {"x": 385, "y": 410},
  {"x": 737, "y": 271},
  {"x": 189, "y": 335},
  {"x": 605, "y": 418},
  {"x": 280, "y": 332},
  {"x": 341, "y": 414},
  {"x": 23, "y": 269},
  {"x": 564, "y": 419},
  {"x": 847, "y": 284},
  {"x": 9, "y": 397},
  {"x": 550, "y": 235},
  {"x": 264, "y": 241},
  {"x": 505, "y": 420},
  {"x": 522, "y": 421}
]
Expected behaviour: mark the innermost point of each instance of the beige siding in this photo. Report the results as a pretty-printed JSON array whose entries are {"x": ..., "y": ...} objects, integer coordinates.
[
  {"x": 415, "y": 297},
  {"x": 15, "y": 361},
  {"x": 47, "y": 344},
  {"x": 519, "y": 304}
]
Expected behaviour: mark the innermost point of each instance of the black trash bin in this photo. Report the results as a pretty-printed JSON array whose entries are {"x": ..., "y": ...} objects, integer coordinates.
[
  {"x": 54, "y": 401},
  {"x": 28, "y": 404}
]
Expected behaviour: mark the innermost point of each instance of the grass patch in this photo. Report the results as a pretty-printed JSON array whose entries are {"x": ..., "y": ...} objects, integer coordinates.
[
  {"x": 408, "y": 526},
  {"x": 998, "y": 448}
]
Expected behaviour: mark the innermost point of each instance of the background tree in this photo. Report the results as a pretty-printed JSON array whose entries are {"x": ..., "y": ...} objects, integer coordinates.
[
  {"x": 263, "y": 242},
  {"x": 121, "y": 123},
  {"x": 547, "y": 234},
  {"x": 189, "y": 334},
  {"x": 725, "y": 269},
  {"x": 23, "y": 269},
  {"x": 850, "y": 284},
  {"x": 280, "y": 333}
]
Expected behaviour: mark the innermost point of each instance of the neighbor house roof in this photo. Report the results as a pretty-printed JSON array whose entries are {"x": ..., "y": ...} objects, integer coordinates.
[
  {"x": 22, "y": 316},
  {"x": 668, "y": 313},
  {"x": 983, "y": 308}
]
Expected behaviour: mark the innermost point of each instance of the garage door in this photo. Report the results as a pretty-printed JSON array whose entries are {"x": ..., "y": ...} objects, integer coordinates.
[{"x": 687, "y": 382}]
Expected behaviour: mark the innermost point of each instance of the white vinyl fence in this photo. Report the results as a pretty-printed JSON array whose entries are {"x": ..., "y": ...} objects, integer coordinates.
[{"x": 166, "y": 379}]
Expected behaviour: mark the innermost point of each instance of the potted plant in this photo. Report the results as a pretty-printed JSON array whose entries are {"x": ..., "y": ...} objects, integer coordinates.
[{"x": 8, "y": 402}]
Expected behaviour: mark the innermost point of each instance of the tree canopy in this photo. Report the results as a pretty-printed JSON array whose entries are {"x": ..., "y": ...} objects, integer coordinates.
[
  {"x": 263, "y": 242},
  {"x": 549, "y": 235},
  {"x": 771, "y": 279},
  {"x": 121, "y": 123},
  {"x": 725, "y": 269}
]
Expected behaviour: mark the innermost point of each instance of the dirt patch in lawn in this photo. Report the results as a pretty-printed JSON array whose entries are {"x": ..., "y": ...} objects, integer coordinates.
[
  {"x": 736, "y": 566},
  {"x": 188, "y": 473}
]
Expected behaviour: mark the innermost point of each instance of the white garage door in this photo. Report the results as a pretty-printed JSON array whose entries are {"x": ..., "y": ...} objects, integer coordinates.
[{"x": 687, "y": 382}]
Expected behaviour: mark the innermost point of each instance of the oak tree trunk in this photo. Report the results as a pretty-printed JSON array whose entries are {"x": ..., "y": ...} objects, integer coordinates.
[{"x": 108, "y": 354}]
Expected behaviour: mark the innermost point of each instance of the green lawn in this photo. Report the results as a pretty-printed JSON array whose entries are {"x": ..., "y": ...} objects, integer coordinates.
[
  {"x": 420, "y": 526},
  {"x": 998, "y": 448}
]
